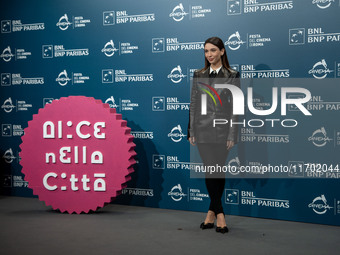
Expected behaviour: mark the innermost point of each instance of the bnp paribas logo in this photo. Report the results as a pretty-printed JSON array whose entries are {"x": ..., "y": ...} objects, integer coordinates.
[{"x": 63, "y": 22}]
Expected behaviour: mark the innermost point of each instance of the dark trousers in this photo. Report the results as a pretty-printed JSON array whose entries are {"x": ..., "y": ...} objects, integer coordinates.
[{"x": 213, "y": 154}]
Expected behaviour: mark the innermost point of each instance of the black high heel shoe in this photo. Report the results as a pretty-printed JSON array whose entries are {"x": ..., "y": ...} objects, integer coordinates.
[
  {"x": 222, "y": 230},
  {"x": 206, "y": 226}
]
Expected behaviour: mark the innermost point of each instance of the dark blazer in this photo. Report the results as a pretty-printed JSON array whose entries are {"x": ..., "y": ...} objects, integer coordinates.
[{"x": 201, "y": 126}]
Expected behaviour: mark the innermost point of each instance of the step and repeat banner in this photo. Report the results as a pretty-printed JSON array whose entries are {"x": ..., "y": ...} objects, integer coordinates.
[{"x": 140, "y": 56}]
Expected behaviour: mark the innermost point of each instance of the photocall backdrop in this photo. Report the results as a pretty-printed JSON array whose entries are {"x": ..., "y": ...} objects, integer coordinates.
[{"x": 139, "y": 56}]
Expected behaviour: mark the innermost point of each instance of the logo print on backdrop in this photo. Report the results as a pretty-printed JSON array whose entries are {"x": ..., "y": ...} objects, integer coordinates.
[
  {"x": 78, "y": 160},
  {"x": 6, "y": 130},
  {"x": 178, "y": 13},
  {"x": 7, "y": 54},
  {"x": 63, "y": 78},
  {"x": 111, "y": 102},
  {"x": 158, "y": 45},
  {"x": 176, "y": 134},
  {"x": 176, "y": 193},
  {"x": 109, "y": 49},
  {"x": 176, "y": 74},
  {"x": 8, "y": 105},
  {"x": 319, "y": 137},
  {"x": 232, "y": 196},
  {"x": 108, "y": 18},
  {"x": 6, "y": 79},
  {"x": 319, "y": 205},
  {"x": 296, "y": 169},
  {"x": 323, "y": 4},
  {"x": 320, "y": 70},
  {"x": 6, "y": 26},
  {"x": 63, "y": 23},
  {"x": 47, "y": 51},
  {"x": 8, "y": 156},
  {"x": 158, "y": 103},
  {"x": 158, "y": 161},
  {"x": 234, "y": 41},
  {"x": 234, "y": 166},
  {"x": 296, "y": 36},
  {"x": 47, "y": 101},
  {"x": 107, "y": 76},
  {"x": 233, "y": 7},
  {"x": 7, "y": 181}
]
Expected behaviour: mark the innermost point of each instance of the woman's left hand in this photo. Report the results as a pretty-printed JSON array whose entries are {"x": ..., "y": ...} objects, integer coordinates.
[{"x": 230, "y": 144}]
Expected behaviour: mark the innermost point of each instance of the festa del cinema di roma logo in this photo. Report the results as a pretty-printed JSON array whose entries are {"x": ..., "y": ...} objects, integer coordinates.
[{"x": 77, "y": 154}]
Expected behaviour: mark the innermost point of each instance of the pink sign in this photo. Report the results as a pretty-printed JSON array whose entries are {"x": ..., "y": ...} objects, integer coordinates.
[{"x": 77, "y": 154}]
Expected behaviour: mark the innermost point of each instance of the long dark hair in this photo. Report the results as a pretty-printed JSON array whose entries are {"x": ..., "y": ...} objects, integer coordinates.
[{"x": 218, "y": 43}]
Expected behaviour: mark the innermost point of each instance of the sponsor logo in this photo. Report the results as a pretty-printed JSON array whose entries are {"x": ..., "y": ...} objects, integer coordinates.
[
  {"x": 176, "y": 193},
  {"x": 19, "y": 54},
  {"x": 172, "y": 162},
  {"x": 249, "y": 135},
  {"x": 142, "y": 135},
  {"x": 296, "y": 169},
  {"x": 108, "y": 18},
  {"x": 122, "y": 17},
  {"x": 50, "y": 51},
  {"x": 47, "y": 101},
  {"x": 172, "y": 104},
  {"x": 319, "y": 205},
  {"x": 197, "y": 11},
  {"x": 63, "y": 78},
  {"x": 122, "y": 104},
  {"x": 255, "y": 6},
  {"x": 9, "y": 130},
  {"x": 8, "y": 26},
  {"x": 296, "y": 36},
  {"x": 158, "y": 161},
  {"x": 8, "y": 79},
  {"x": 249, "y": 71},
  {"x": 123, "y": 76},
  {"x": 124, "y": 48},
  {"x": 7, "y": 181},
  {"x": 234, "y": 7},
  {"x": 320, "y": 70},
  {"x": 176, "y": 134},
  {"x": 111, "y": 101},
  {"x": 7, "y": 54},
  {"x": 158, "y": 103},
  {"x": 172, "y": 44},
  {"x": 244, "y": 198},
  {"x": 319, "y": 137},
  {"x": 317, "y": 35},
  {"x": 138, "y": 192},
  {"x": 232, "y": 196},
  {"x": 107, "y": 76},
  {"x": 316, "y": 103}
]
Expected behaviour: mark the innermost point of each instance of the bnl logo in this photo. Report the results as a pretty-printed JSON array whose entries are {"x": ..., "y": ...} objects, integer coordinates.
[
  {"x": 107, "y": 76},
  {"x": 234, "y": 7},
  {"x": 296, "y": 36},
  {"x": 6, "y": 26},
  {"x": 158, "y": 161},
  {"x": 158, "y": 103},
  {"x": 108, "y": 18},
  {"x": 47, "y": 51},
  {"x": 6, "y": 79},
  {"x": 158, "y": 45},
  {"x": 232, "y": 196}
]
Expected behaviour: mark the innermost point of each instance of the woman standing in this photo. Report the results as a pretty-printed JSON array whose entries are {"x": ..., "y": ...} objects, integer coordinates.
[{"x": 213, "y": 143}]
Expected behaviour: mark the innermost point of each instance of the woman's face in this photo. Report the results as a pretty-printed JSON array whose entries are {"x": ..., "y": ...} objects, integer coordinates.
[{"x": 213, "y": 54}]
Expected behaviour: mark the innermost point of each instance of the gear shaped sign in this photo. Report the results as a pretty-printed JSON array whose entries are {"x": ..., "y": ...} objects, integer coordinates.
[{"x": 77, "y": 154}]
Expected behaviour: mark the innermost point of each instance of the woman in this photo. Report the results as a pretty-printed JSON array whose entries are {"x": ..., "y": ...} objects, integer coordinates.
[{"x": 213, "y": 143}]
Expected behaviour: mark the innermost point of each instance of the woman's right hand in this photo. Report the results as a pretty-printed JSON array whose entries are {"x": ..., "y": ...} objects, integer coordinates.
[{"x": 192, "y": 141}]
